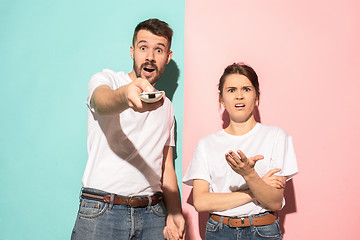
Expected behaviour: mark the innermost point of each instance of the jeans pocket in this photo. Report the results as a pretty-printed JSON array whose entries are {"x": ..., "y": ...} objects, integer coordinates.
[
  {"x": 159, "y": 209},
  {"x": 269, "y": 231},
  {"x": 212, "y": 225},
  {"x": 91, "y": 209}
]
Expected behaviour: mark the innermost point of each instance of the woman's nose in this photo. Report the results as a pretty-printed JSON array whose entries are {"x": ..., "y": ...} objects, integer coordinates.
[{"x": 239, "y": 95}]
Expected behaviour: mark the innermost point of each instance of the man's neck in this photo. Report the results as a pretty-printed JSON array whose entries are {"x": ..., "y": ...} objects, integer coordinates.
[{"x": 132, "y": 75}]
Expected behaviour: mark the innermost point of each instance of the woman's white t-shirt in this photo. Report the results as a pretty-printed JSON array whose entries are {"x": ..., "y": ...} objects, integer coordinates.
[{"x": 209, "y": 162}]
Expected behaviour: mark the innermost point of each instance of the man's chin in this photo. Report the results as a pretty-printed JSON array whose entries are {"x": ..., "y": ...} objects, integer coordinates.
[{"x": 151, "y": 79}]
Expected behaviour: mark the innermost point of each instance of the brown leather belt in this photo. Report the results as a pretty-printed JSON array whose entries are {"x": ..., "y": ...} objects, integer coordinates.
[
  {"x": 129, "y": 201},
  {"x": 245, "y": 222}
]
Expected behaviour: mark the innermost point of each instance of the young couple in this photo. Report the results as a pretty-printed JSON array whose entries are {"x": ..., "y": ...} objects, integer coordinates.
[{"x": 129, "y": 185}]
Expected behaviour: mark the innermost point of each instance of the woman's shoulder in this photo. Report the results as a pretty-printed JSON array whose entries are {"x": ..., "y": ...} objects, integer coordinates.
[
  {"x": 213, "y": 137},
  {"x": 272, "y": 130}
]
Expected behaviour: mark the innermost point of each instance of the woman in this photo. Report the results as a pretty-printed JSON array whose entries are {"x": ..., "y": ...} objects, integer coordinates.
[{"x": 232, "y": 171}]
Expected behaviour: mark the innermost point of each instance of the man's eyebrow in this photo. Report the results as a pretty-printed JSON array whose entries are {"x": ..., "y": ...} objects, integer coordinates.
[
  {"x": 162, "y": 44},
  {"x": 141, "y": 41},
  {"x": 144, "y": 41}
]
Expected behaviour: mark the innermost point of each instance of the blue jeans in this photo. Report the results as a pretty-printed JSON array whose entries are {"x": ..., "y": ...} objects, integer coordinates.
[
  {"x": 99, "y": 220},
  {"x": 217, "y": 230}
]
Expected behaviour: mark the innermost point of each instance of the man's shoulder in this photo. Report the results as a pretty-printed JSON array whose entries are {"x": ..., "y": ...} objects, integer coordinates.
[
  {"x": 117, "y": 75},
  {"x": 111, "y": 77}
]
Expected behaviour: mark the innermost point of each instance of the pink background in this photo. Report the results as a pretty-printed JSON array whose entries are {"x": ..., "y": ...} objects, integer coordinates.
[{"x": 307, "y": 56}]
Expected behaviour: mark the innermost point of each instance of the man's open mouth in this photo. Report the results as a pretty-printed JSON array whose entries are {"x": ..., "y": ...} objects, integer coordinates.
[{"x": 149, "y": 69}]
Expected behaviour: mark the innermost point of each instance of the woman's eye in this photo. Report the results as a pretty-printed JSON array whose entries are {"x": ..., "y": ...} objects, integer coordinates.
[
  {"x": 247, "y": 89},
  {"x": 231, "y": 90}
]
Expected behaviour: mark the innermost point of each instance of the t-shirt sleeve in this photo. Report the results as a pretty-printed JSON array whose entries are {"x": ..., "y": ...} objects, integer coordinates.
[
  {"x": 98, "y": 79},
  {"x": 283, "y": 155},
  {"x": 171, "y": 139},
  {"x": 198, "y": 168}
]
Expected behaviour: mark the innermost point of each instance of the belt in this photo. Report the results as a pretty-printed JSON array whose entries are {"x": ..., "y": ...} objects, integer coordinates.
[
  {"x": 245, "y": 222},
  {"x": 138, "y": 201}
]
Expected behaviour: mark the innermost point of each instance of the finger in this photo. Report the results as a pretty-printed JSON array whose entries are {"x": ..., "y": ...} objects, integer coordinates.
[
  {"x": 232, "y": 161},
  {"x": 165, "y": 233},
  {"x": 181, "y": 229},
  {"x": 281, "y": 180},
  {"x": 272, "y": 172},
  {"x": 256, "y": 158},
  {"x": 279, "y": 184},
  {"x": 283, "y": 183},
  {"x": 236, "y": 157},
  {"x": 144, "y": 85},
  {"x": 274, "y": 184},
  {"x": 169, "y": 234},
  {"x": 141, "y": 106},
  {"x": 242, "y": 156}
]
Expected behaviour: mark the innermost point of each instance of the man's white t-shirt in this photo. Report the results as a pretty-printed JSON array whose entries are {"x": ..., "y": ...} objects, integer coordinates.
[
  {"x": 126, "y": 150},
  {"x": 209, "y": 162}
]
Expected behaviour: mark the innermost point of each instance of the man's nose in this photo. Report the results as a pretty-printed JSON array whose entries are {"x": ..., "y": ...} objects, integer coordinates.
[{"x": 150, "y": 56}]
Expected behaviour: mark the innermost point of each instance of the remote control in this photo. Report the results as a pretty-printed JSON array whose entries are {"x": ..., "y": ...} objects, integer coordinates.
[{"x": 151, "y": 97}]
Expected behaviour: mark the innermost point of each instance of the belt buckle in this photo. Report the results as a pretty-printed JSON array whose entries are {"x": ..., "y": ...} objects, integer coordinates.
[
  {"x": 242, "y": 222},
  {"x": 132, "y": 202}
]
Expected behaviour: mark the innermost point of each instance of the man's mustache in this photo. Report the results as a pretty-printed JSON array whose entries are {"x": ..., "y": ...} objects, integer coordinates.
[{"x": 151, "y": 64}]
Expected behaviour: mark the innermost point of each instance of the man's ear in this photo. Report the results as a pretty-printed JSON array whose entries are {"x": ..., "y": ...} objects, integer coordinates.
[
  {"x": 132, "y": 52},
  {"x": 170, "y": 54}
]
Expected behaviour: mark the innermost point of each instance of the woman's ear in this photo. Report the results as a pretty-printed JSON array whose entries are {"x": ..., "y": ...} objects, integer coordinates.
[{"x": 221, "y": 101}]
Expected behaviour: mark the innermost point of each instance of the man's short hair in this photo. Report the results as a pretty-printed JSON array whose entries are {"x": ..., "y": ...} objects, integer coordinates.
[{"x": 156, "y": 27}]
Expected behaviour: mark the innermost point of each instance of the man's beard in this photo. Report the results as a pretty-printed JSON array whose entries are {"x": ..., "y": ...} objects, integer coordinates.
[{"x": 151, "y": 65}]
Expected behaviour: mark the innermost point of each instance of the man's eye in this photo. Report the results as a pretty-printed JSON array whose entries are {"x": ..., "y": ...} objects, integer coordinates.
[
  {"x": 143, "y": 48},
  {"x": 159, "y": 50}
]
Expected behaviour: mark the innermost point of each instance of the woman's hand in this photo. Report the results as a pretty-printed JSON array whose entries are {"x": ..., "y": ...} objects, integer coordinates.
[
  {"x": 274, "y": 181},
  {"x": 270, "y": 197},
  {"x": 242, "y": 164}
]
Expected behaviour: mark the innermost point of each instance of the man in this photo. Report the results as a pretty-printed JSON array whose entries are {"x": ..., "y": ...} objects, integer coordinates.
[{"x": 130, "y": 175}]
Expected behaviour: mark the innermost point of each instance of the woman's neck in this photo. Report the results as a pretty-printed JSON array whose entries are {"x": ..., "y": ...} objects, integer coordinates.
[{"x": 240, "y": 128}]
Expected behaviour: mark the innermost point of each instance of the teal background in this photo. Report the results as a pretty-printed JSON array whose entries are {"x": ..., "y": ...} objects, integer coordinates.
[{"x": 48, "y": 52}]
